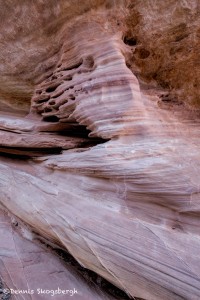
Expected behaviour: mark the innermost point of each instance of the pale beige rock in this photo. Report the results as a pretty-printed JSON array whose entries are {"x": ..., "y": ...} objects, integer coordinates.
[{"x": 128, "y": 206}]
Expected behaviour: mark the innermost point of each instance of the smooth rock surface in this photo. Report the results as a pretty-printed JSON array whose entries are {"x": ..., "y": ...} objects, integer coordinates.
[{"x": 28, "y": 267}]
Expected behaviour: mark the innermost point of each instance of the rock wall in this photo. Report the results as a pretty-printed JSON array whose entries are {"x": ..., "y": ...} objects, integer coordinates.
[
  {"x": 165, "y": 38},
  {"x": 96, "y": 156}
]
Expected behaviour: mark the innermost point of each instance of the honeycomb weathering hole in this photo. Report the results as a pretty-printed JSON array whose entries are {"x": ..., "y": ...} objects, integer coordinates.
[
  {"x": 52, "y": 88},
  {"x": 53, "y": 119},
  {"x": 143, "y": 53},
  {"x": 130, "y": 41},
  {"x": 89, "y": 62},
  {"x": 74, "y": 66}
]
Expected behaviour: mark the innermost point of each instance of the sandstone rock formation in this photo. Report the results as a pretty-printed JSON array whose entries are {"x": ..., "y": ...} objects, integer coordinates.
[
  {"x": 28, "y": 267},
  {"x": 94, "y": 160}
]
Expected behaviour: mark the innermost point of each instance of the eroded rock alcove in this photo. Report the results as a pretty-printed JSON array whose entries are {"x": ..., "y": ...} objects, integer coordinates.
[{"x": 99, "y": 144}]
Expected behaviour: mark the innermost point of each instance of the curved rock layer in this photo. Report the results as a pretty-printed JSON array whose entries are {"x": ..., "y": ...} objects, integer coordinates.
[
  {"x": 31, "y": 271},
  {"x": 96, "y": 166}
]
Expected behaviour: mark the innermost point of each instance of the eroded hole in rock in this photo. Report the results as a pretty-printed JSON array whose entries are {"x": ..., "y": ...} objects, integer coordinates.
[
  {"x": 74, "y": 66},
  {"x": 52, "y": 102},
  {"x": 130, "y": 41},
  {"x": 89, "y": 62},
  {"x": 43, "y": 99},
  {"x": 143, "y": 53},
  {"x": 72, "y": 97},
  {"x": 58, "y": 94},
  {"x": 181, "y": 37},
  {"x": 47, "y": 109},
  {"x": 61, "y": 97},
  {"x": 52, "y": 88},
  {"x": 128, "y": 64},
  {"x": 39, "y": 92},
  {"x": 165, "y": 98},
  {"x": 53, "y": 119},
  {"x": 68, "y": 78},
  {"x": 77, "y": 130},
  {"x": 170, "y": 99},
  {"x": 54, "y": 77}
]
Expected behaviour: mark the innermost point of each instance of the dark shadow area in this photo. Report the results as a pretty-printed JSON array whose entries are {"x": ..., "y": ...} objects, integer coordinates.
[
  {"x": 93, "y": 278},
  {"x": 5, "y": 293},
  {"x": 25, "y": 153}
]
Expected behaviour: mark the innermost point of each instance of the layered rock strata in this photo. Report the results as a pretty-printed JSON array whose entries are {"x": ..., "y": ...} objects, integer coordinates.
[
  {"x": 31, "y": 271},
  {"x": 98, "y": 168}
]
